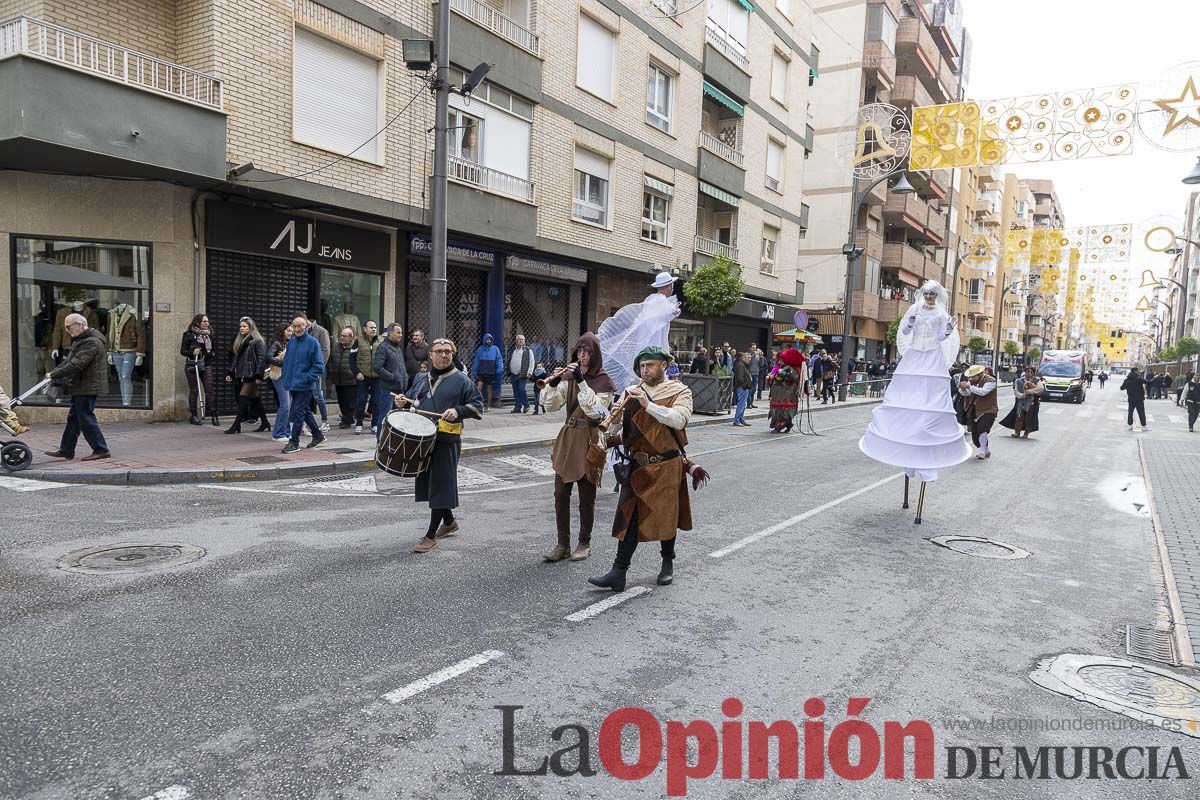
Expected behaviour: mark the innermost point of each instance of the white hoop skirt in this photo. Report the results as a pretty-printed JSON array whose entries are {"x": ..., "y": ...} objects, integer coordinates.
[{"x": 916, "y": 427}]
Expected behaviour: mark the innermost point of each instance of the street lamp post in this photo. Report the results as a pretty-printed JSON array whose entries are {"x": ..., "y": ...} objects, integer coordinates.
[
  {"x": 1012, "y": 287},
  {"x": 853, "y": 253}
]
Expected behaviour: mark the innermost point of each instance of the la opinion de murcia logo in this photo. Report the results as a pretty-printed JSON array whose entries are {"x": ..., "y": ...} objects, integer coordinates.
[{"x": 324, "y": 251}]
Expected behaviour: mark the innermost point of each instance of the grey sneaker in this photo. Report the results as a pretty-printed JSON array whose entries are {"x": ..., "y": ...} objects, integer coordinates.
[
  {"x": 316, "y": 442},
  {"x": 324, "y": 427},
  {"x": 290, "y": 447}
]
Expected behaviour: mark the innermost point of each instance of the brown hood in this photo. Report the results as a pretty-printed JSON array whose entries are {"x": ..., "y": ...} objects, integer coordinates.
[{"x": 596, "y": 377}]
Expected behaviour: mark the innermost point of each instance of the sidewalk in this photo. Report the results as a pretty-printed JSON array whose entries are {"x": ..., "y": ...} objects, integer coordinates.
[{"x": 176, "y": 452}]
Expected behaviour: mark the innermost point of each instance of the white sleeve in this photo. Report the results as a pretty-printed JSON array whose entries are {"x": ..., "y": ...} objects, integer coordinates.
[
  {"x": 554, "y": 397},
  {"x": 676, "y": 416},
  {"x": 594, "y": 404},
  {"x": 986, "y": 388}
]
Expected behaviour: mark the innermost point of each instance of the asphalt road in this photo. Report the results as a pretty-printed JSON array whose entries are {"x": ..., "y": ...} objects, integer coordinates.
[{"x": 306, "y": 654}]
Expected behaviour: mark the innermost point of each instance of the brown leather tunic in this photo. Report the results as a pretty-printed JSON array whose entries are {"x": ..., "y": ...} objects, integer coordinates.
[{"x": 578, "y": 438}]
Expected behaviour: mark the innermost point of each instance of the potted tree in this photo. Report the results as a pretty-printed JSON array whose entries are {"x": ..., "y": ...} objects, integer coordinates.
[
  {"x": 711, "y": 291},
  {"x": 975, "y": 344}
]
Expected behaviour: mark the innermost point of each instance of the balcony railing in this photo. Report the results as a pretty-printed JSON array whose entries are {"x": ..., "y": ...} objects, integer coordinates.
[
  {"x": 26, "y": 36},
  {"x": 497, "y": 23},
  {"x": 714, "y": 145},
  {"x": 460, "y": 169},
  {"x": 711, "y": 247},
  {"x": 719, "y": 38}
]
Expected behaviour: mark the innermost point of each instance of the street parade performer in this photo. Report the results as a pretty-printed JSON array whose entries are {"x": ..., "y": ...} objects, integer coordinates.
[
  {"x": 447, "y": 391},
  {"x": 979, "y": 407},
  {"x": 654, "y": 502},
  {"x": 1022, "y": 419},
  {"x": 637, "y": 326},
  {"x": 579, "y": 454},
  {"x": 916, "y": 427}
]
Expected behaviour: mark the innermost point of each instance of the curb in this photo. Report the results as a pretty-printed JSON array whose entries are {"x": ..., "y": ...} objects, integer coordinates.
[{"x": 364, "y": 462}]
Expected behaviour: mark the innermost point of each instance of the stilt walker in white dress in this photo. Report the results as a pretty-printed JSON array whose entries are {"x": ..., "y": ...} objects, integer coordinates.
[{"x": 916, "y": 427}]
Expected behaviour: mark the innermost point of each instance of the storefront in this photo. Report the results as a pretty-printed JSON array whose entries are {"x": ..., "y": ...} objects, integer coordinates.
[
  {"x": 269, "y": 266},
  {"x": 503, "y": 294}
]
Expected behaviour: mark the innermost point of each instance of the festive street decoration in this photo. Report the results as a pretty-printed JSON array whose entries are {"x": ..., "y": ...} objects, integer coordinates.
[
  {"x": 876, "y": 141},
  {"x": 953, "y": 135},
  {"x": 1169, "y": 111},
  {"x": 1064, "y": 126}
]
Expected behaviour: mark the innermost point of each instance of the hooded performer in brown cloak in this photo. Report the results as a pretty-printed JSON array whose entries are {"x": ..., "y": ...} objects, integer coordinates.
[{"x": 585, "y": 390}]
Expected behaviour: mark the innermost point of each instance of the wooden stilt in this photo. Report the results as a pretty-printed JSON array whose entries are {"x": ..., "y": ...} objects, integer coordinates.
[
  {"x": 905, "y": 492},
  {"x": 920, "y": 504}
]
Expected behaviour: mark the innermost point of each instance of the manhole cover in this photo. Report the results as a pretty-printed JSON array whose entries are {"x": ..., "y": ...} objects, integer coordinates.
[
  {"x": 128, "y": 558},
  {"x": 1140, "y": 691},
  {"x": 978, "y": 546}
]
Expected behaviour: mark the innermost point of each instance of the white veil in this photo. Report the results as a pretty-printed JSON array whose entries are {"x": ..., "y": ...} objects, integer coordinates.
[
  {"x": 949, "y": 345},
  {"x": 632, "y": 329}
]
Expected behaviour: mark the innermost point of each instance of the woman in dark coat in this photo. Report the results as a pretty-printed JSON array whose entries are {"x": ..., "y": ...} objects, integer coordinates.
[
  {"x": 197, "y": 348},
  {"x": 246, "y": 370}
]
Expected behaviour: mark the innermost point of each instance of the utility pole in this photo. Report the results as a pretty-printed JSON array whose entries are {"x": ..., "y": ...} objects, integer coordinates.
[{"x": 437, "y": 258}]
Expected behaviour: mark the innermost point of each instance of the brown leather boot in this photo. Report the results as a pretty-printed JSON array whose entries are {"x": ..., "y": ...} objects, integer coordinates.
[
  {"x": 560, "y": 552},
  {"x": 582, "y": 551}
]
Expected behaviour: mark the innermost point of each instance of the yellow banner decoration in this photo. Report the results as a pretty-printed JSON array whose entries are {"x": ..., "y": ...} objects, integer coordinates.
[{"x": 952, "y": 135}]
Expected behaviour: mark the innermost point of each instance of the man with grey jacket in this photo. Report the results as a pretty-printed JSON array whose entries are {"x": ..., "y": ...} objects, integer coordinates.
[
  {"x": 86, "y": 373},
  {"x": 756, "y": 370},
  {"x": 322, "y": 336},
  {"x": 392, "y": 375}
]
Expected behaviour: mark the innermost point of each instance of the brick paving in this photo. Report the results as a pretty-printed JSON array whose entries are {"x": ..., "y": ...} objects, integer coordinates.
[
  {"x": 162, "y": 448},
  {"x": 1171, "y": 462}
]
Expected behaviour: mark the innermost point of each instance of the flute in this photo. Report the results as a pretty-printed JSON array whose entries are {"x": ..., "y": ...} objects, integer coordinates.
[
  {"x": 541, "y": 383},
  {"x": 607, "y": 421}
]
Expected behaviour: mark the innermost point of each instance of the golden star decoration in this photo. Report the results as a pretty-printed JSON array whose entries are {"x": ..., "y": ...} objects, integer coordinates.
[
  {"x": 1185, "y": 109},
  {"x": 1092, "y": 115}
]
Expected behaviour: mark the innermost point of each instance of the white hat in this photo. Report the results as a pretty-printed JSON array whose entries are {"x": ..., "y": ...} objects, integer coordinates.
[{"x": 663, "y": 279}]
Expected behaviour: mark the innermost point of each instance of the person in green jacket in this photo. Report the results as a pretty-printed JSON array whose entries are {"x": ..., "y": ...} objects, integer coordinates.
[{"x": 368, "y": 343}]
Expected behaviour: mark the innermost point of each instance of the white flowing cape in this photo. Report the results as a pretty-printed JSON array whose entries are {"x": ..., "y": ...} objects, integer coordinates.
[{"x": 631, "y": 330}]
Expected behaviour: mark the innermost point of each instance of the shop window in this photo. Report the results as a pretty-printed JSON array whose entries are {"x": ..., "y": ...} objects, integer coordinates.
[
  {"x": 109, "y": 284},
  {"x": 335, "y": 98},
  {"x": 349, "y": 299}
]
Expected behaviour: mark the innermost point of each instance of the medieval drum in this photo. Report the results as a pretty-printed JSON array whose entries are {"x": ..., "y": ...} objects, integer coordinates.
[{"x": 405, "y": 444}]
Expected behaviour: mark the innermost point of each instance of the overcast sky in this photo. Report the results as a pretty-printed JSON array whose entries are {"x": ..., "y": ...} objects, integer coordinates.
[{"x": 1023, "y": 47}]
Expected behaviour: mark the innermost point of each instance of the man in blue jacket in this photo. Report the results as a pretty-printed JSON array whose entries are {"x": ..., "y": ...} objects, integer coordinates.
[
  {"x": 302, "y": 368},
  {"x": 487, "y": 369}
]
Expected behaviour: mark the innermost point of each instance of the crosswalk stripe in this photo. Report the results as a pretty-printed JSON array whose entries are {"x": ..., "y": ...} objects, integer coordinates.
[
  {"x": 1051, "y": 411},
  {"x": 1115, "y": 416},
  {"x": 1177, "y": 418},
  {"x": 1086, "y": 412}
]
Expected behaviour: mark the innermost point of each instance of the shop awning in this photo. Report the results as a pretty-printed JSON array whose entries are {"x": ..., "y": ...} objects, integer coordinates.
[
  {"x": 720, "y": 194},
  {"x": 746, "y": 4},
  {"x": 793, "y": 334},
  {"x": 724, "y": 99},
  {"x": 661, "y": 187}
]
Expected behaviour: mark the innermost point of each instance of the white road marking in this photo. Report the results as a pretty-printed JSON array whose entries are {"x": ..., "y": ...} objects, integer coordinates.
[
  {"x": 1115, "y": 416},
  {"x": 471, "y": 478},
  {"x": 353, "y": 483},
  {"x": 28, "y": 485},
  {"x": 604, "y": 605},
  {"x": 538, "y": 466},
  {"x": 1177, "y": 418},
  {"x": 175, "y": 792},
  {"x": 1051, "y": 411},
  {"x": 787, "y": 523},
  {"x": 1086, "y": 412},
  {"x": 441, "y": 676},
  {"x": 254, "y": 490}
]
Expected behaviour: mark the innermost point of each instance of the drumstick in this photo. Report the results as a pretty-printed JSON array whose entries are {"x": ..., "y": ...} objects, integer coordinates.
[{"x": 418, "y": 410}]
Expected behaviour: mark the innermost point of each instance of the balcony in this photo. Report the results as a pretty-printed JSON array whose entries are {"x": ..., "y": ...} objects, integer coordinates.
[
  {"x": 908, "y": 261},
  {"x": 948, "y": 81},
  {"x": 871, "y": 242},
  {"x": 715, "y": 146},
  {"x": 727, "y": 45},
  {"x": 979, "y": 307},
  {"x": 492, "y": 20},
  {"x": 917, "y": 53},
  {"x": 907, "y": 208},
  {"x": 910, "y": 92},
  {"x": 879, "y": 59},
  {"x": 72, "y": 99},
  {"x": 713, "y": 248},
  {"x": 464, "y": 171}
]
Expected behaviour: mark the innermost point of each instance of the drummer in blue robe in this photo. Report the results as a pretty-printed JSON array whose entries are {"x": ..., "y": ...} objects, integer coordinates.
[{"x": 447, "y": 391}]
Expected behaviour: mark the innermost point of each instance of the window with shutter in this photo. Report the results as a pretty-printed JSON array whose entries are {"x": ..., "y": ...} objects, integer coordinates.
[
  {"x": 770, "y": 246},
  {"x": 591, "y": 188},
  {"x": 779, "y": 71},
  {"x": 774, "y": 165},
  {"x": 335, "y": 98},
  {"x": 659, "y": 97},
  {"x": 596, "y": 51}
]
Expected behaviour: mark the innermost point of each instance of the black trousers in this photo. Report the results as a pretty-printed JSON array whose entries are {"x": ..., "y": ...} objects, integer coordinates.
[
  {"x": 628, "y": 545},
  {"x": 1193, "y": 412},
  {"x": 1140, "y": 407},
  {"x": 347, "y": 397}
]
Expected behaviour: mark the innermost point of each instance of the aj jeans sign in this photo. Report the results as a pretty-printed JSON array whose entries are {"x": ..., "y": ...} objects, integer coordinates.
[{"x": 261, "y": 231}]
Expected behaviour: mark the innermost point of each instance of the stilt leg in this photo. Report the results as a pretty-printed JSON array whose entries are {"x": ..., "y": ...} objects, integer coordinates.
[
  {"x": 905, "y": 492},
  {"x": 920, "y": 504}
]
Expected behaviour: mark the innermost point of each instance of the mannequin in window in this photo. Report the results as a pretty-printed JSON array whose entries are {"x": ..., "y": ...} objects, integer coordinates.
[
  {"x": 60, "y": 339},
  {"x": 126, "y": 346},
  {"x": 347, "y": 319}
]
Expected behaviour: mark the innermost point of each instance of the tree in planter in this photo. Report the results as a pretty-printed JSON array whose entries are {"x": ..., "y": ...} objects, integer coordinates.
[
  {"x": 977, "y": 343},
  {"x": 1033, "y": 356},
  {"x": 1011, "y": 349},
  {"x": 1187, "y": 347},
  {"x": 1168, "y": 354},
  {"x": 714, "y": 288}
]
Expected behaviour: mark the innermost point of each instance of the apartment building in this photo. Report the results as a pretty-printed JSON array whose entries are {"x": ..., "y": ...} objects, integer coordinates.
[
  {"x": 1185, "y": 272},
  {"x": 975, "y": 281},
  {"x": 262, "y": 157},
  {"x": 1045, "y": 320},
  {"x": 909, "y": 54}
]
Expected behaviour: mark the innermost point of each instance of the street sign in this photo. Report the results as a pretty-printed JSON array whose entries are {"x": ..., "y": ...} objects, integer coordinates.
[
  {"x": 801, "y": 320},
  {"x": 814, "y": 325}
]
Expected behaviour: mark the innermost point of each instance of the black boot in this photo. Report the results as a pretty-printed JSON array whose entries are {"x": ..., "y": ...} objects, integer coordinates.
[
  {"x": 216, "y": 421},
  {"x": 264, "y": 423},
  {"x": 615, "y": 579},
  {"x": 236, "y": 427},
  {"x": 665, "y": 575}
]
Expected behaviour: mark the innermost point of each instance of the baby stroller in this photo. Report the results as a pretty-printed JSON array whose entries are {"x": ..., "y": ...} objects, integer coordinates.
[{"x": 14, "y": 455}]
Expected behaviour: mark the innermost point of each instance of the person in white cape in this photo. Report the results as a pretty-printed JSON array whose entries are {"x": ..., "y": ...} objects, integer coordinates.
[
  {"x": 916, "y": 427},
  {"x": 636, "y": 327}
]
